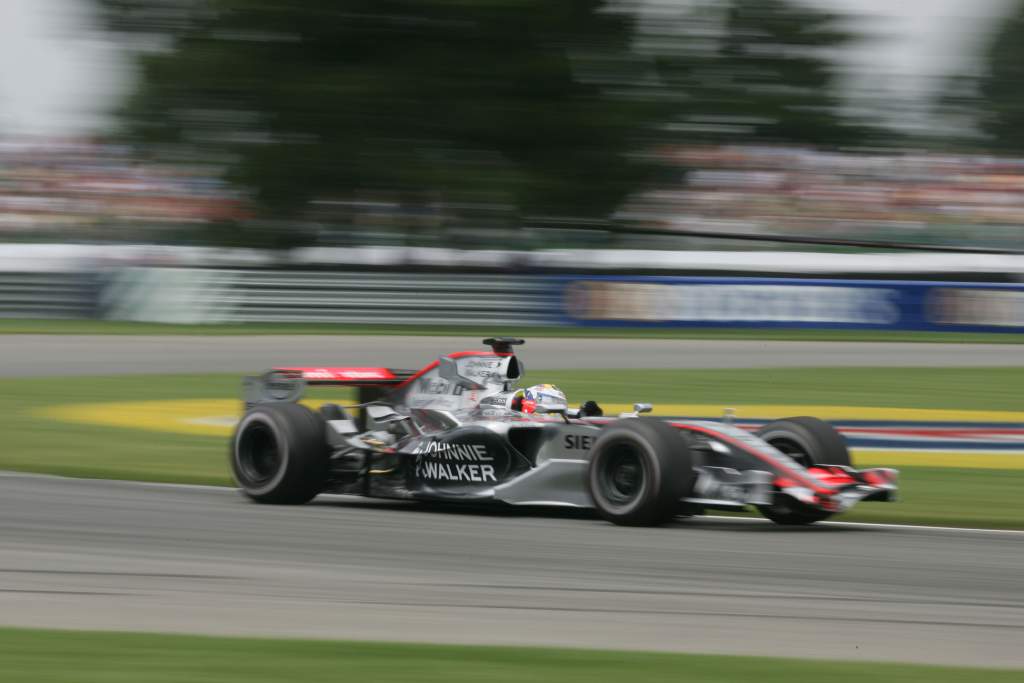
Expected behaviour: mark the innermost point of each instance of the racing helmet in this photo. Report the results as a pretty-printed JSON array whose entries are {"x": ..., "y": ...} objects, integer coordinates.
[{"x": 540, "y": 398}]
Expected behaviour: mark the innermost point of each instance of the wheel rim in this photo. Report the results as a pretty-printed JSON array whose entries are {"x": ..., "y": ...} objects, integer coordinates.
[
  {"x": 622, "y": 475},
  {"x": 259, "y": 456}
]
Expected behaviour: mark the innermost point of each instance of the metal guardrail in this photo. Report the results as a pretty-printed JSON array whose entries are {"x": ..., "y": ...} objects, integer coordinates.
[
  {"x": 189, "y": 295},
  {"x": 48, "y": 294}
]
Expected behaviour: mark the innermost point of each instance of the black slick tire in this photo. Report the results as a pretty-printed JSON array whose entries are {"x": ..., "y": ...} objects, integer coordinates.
[
  {"x": 279, "y": 454},
  {"x": 810, "y": 442},
  {"x": 807, "y": 440},
  {"x": 639, "y": 470}
]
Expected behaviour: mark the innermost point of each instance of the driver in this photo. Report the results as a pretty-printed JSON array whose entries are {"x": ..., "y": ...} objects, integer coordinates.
[
  {"x": 542, "y": 398},
  {"x": 547, "y": 398}
]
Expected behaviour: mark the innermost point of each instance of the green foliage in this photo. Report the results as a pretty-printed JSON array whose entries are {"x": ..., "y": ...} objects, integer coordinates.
[
  {"x": 526, "y": 103},
  {"x": 509, "y": 108},
  {"x": 766, "y": 77},
  {"x": 1001, "y": 92},
  {"x": 985, "y": 112}
]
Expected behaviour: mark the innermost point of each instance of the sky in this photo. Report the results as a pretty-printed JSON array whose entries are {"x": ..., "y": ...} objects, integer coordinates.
[
  {"x": 918, "y": 39},
  {"x": 60, "y": 76},
  {"x": 57, "y": 74}
]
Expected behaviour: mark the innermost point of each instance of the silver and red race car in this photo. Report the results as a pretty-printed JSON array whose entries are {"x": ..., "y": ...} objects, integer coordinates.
[{"x": 459, "y": 430}]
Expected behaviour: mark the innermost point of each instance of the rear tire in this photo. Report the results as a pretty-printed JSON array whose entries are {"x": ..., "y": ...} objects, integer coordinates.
[
  {"x": 810, "y": 442},
  {"x": 639, "y": 470},
  {"x": 279, "y": 454}
]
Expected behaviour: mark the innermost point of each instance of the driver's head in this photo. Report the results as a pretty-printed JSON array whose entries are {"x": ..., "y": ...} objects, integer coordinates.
[{"x": 540, "y": 398}]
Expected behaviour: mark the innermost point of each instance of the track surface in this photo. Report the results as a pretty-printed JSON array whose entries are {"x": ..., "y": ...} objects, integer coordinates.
[
  {"x": 93, "y": 554},
  {"x": 48, "y": 355}
]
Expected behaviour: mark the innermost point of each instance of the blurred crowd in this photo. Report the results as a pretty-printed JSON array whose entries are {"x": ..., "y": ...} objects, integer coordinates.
[
  {"x": 84, "y": 190},
  {"x": 87, "y": 190},
  {"x": 910, "y": 197}
]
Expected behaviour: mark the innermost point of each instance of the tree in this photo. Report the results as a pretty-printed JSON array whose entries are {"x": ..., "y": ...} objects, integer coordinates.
[
  {"x": 1001, "y": 89},
  {"x": 761, "y": 71},
  {"x": 532, "y": 103}
]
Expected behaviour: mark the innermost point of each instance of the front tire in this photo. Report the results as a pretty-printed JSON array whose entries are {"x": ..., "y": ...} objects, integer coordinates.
[
  {"x": 279, "y": 454},
  {"x": 807, "y": 440},
  {"x": 639, "y": 470},
  {"x": 810, "y": 442}
]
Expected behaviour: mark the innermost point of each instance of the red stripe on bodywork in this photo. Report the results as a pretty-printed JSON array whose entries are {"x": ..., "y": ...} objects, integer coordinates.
[
  {"x": 343, "y": 374},
  {"x": 799, "y": 477},
  {"x": 832, "y": 476}
]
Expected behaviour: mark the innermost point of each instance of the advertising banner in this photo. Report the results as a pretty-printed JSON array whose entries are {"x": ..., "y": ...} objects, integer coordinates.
[{"x": 652, "y": 301}]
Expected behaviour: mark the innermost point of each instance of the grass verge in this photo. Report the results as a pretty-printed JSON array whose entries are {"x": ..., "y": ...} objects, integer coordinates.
[
  {"x": 125, "y": 328},
  {"x": 28, "y": 656},
  {"x": 931, "y": 495}
]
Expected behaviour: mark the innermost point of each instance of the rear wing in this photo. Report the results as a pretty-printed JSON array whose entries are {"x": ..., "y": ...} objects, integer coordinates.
[
  {"x": 287, "y": 384},
  {"x": 352, "y": 377}
]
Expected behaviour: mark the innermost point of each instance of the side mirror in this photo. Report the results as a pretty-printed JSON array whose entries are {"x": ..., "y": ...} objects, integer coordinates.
[{"x": 638, "y": 408}]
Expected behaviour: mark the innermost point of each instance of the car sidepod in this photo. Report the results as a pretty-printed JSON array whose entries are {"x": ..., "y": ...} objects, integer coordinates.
[{"x": 466, "y": 462}]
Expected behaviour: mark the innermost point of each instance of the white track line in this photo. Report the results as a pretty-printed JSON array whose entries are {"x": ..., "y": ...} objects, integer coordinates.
[
  {"x": 874, "y": 525},
  {"x": 210, "y": 487},
  {"x": 127, "y": 482}
]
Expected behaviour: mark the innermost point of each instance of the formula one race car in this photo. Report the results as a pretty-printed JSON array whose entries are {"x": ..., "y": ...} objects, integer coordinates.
[{"x": 458, "y": 430}]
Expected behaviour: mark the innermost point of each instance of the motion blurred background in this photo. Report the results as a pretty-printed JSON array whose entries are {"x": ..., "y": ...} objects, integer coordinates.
[
  {"x": 752, "y": 184},
  {"x": 501, "y": 150}
]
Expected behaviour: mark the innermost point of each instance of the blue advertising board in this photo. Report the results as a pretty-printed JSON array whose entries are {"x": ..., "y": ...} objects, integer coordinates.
[{"x": 656, "y": 301}]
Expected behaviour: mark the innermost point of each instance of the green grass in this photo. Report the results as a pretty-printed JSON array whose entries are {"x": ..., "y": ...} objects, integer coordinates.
[
  {"x": 118, "y": 327},
  {"x": 34, "y": 444},
  {"x": 28, "y": 656},
  {"x": 930, "y": 495},
  {"x": 951, "y": 497}
]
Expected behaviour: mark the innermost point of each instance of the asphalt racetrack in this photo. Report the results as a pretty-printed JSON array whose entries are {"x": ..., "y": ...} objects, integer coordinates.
[
  {"x": 24, "y": 355},
  {"x": 127, "y": 556}
]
